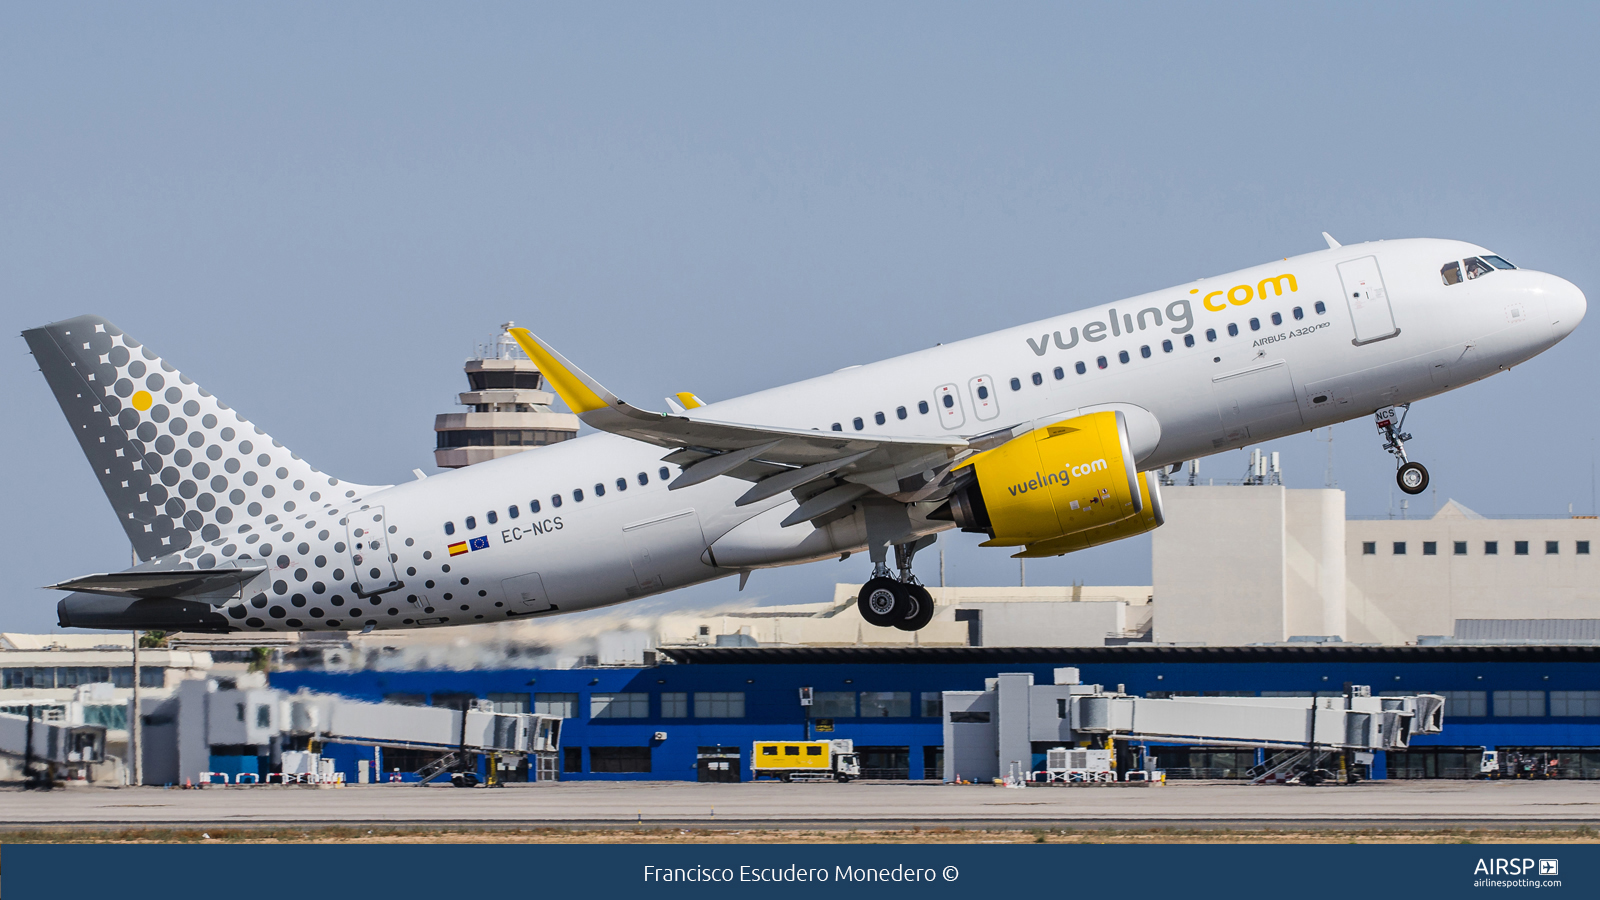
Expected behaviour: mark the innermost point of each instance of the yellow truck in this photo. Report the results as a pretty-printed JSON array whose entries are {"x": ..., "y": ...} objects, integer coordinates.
[{"x": 805, "y": 760}]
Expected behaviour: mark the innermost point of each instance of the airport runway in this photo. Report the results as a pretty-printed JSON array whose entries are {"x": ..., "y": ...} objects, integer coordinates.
[{"x": 903, "y": 804}]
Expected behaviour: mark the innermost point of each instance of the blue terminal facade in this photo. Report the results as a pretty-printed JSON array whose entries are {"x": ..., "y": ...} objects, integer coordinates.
[{"x": 1538, "y": 704}]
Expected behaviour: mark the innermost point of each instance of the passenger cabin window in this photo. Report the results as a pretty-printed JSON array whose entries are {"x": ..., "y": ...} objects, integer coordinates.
[
  {"x": 555, "y": 500},
  {"x": 472, "y": 523},
  {"x": 858, "y": 423},
  {"x": 1166, "y": 346},
  {"x": 922, "y": 407},
  {"x": 1100, "y": 361},
  {"x": 663, "y": 470},
  {"x": 622, "y": 484},
  {"x": 949, "y": 401},
  {"x": 1321, "y": 308},
  {"x": 644, "y": 479},
  {"x": 1233, "y": 329},
  {"x": 449, "y": 528},
  {"x": 1060, "y": 373},
  {"x": 599, "y": 490},
  {"x": 1038, "y": 379},
  {"x": 492, "y": 517},
  {"x": 1451, "y": 272},
  {"x": 983, "y": 393},
  {"x": 1188, "y": 340},
  {"x": 1016, "y": 384},
  {"x": 1122, "y": 356},
  {"x": 577, "y": 495},
  {"x": 1211, "y": 334},
  {"x": 533, "y": 506},
  {"x": 1298, "y": 313},
  {"x": 1255, "y": 324},
  {"x": 900, "y": 412},
  {"x": 1277, "y": 318},
  {"x": 837, "y": 427},
  {"x": 1477, "y": 267},
  {"x": 1145, "y": 351},
  {"x": 1080, "y": 367},
  {"x": 879, "y": 418},
  {"x": 512, "y": 512}
]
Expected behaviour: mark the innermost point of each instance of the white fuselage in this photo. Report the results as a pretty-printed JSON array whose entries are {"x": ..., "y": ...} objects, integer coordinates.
[{"x": 1268, "y": 380}]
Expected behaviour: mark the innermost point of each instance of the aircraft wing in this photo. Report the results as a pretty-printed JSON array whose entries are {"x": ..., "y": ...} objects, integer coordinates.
[{"x": 777, "y": 459}]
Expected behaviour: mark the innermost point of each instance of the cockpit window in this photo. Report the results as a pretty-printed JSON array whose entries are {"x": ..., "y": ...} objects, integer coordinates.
[
  {"x": 1451, "y": 273},
  {"x": 1498, "y": 263},
  {"x": 1477, "y": 267}
]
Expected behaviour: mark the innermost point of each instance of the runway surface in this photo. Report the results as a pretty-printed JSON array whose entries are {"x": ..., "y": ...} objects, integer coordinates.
[{"x": 902, "y": 804}]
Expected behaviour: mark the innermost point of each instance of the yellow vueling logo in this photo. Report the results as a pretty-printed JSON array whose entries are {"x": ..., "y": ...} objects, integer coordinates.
[
  {"x": 1240, "y": 294},
  {"x": 1062, "y": 477}
]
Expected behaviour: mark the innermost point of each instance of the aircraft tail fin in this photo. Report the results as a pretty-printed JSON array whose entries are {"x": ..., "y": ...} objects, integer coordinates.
[{"x": 178, "y": 465}]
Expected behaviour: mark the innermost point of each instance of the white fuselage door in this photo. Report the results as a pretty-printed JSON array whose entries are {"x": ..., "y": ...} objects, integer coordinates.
[
  {"x": 947, "y": 400},
  {"x": 1368, "y": 300},
  {"x": 368, "y": 533},
  {"x": 665, "y": 551},
  {"x": 985, "y": 405}
]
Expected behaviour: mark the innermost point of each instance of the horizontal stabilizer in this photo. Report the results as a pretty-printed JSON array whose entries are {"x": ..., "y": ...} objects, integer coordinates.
[{"x": 150, "y": 584}]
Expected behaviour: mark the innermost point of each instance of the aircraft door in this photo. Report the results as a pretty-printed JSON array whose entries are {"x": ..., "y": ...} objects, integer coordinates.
[
  {"x": 1368, "y": 300},
  {"x": 985, "y": 405},
  {"x": 368, "y": 532},
  {"x": 665, "y": 551},
  {"x": 947, "y": 400},
  {"x": 1257, "y": 401}
]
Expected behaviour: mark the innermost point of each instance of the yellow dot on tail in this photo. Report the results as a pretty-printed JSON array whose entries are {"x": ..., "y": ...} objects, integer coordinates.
[{"x": 141, "y": 400}]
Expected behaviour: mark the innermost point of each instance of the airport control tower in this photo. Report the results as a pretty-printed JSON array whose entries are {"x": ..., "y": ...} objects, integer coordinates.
[{"x": 508, "y": 409}]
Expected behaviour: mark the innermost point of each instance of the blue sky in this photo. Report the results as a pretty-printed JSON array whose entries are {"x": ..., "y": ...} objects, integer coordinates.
[{"x": 316, "y": 210}]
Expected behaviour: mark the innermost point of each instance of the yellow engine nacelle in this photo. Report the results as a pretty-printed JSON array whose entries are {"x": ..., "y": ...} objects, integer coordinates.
[{"x": 1057, "y": 489}]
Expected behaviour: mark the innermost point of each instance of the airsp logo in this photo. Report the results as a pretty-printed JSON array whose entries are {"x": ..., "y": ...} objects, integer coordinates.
[
  {"x": 1549, "y": 867},
  {"x": 1501, "y": 866}
]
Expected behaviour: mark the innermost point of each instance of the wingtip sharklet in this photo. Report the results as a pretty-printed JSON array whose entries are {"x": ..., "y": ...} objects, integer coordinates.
[{"x": 581, "y": 393}]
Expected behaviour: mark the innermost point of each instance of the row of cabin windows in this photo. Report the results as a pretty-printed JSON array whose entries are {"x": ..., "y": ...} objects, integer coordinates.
[
  {"x": 1082, "y": 368},
  {"x": 1490, "y": 548},
  {"x": 534, "y": 506}
]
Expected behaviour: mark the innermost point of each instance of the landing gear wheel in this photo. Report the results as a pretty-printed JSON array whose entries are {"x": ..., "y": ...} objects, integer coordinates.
[
  {"x": 1413, "y": 478},
  {"x": 919, "y": 610},
  {"x": 883, "y": 602}
]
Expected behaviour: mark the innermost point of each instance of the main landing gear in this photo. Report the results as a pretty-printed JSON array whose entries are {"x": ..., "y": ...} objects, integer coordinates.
[
  {"x": 888, "y": 600},
  {"x": 1412, "y": 476}
]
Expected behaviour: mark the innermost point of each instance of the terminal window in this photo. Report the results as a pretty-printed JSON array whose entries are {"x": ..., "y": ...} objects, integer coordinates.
[
  {"x": 514, "y": 704},
  {"x": 1399, "y": 548},
  {"x": 885, "y": 704},
  {"x": 1518, "y": 703},
  {"x": 719, "y": 704},
  {"x": 1491, "y": 548},
  {"x": 674, "y": 705},
  {"x": 1575, "y": 703},
  {"x": 1521, "y": 548},
  {"x": 1581, "y": 547},
  {"x": 563, "y": 705},
  {"x": 1551, "y": 548},
  {"x": 1461, "y": 548},
  {"x": 1369, "y": 548},
  {"x": 932, "y": 704},
  {"x": 833, "y": 705},
  {"x": 619, "y": 759},
  {"x": 1465, "y": 704},
  {"x": 1430, "y": 548},
  {"x": 619, "y": 706}
]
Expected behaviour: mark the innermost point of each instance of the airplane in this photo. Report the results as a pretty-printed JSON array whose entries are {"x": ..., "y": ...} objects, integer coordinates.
[{"x": 1044, "y": 438}]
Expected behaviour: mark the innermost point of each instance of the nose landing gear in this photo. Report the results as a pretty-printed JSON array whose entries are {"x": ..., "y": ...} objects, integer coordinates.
[
  {"x": 1412, "y": 476},
  {"x": 898, "y": 602}
]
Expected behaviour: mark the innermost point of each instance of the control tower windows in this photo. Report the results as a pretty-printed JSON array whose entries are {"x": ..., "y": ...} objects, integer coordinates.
[{"x": 505, "y": 381}]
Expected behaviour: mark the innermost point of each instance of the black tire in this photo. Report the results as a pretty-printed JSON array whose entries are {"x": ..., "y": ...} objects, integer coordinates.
[
  {"x": 1412, "y": 478},
  {"x": 785, "y": 778},
  {"x": 921, "y": 609},
  {"x": 882, "y": 602}
]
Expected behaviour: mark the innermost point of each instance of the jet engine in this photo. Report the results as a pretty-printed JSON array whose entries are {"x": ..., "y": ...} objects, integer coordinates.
[{"x": 1056, "y": 489}]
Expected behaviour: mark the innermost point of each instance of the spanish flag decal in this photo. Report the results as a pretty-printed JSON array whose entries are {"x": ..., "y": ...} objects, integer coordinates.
[{"x": 458, "y": 548}]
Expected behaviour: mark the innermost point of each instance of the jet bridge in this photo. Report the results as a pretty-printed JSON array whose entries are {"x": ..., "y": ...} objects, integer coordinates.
[
  {"x": 46, "y": 750},
  {"x": 1011, "y": 725}
]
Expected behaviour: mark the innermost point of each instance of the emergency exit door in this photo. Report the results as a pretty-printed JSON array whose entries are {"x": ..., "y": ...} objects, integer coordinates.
[{"x": 1368, "y": 300}]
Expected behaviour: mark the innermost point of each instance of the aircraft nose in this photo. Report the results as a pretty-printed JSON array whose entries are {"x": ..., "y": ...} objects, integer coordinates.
[{"x": 1566, "y": 304}]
